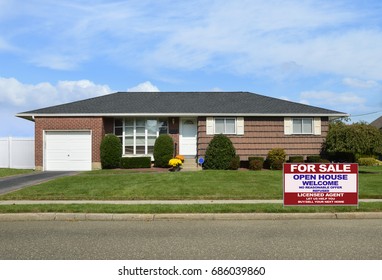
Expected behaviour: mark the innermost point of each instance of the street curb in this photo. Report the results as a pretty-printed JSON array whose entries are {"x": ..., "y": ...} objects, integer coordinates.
[{"x": 159, "y": 217}]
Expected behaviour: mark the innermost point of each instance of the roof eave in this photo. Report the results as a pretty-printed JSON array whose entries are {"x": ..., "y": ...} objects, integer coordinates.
[{"x": 31, "y": 117}]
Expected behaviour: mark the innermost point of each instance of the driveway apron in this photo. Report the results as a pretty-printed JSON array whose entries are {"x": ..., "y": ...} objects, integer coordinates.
[{"x": 14, "y": 183}]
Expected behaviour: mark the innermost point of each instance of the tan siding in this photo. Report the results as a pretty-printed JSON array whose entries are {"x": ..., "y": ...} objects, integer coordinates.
[{"x": 264, "y": 133}]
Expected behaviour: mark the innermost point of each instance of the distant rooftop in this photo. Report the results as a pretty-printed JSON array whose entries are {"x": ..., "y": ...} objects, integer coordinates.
[{"x": 377, "y": 123}]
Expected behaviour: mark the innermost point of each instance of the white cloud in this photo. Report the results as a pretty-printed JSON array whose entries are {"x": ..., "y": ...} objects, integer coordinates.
[
  {"x": 16, "y": 97},
  {"x": 357, "y": 83},
  {"x": 332, "y": 98},
  {"x": 144, "y": 87},
  {"x": 29, "y": 96},
  {"x": 242, "y": 36}
]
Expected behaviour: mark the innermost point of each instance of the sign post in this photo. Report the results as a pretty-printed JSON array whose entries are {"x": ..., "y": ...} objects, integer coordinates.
[{"x": 318, "y": 184}]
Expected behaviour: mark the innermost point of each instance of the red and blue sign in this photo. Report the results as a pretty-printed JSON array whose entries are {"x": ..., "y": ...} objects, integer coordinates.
[{"x": 317, "y": 184}]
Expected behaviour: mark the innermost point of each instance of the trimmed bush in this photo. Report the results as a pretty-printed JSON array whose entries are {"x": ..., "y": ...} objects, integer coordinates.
[
  {"x": 314, "y": 159},
  {"x": 367, "y": 161},
  {"x": 277, "y": 164},
  {"x": 342, "y": 157},
  {"x": 275, "y": 157},
  {"x": 111, "y": 151},
  {"x": 163, "y": 150},
  {"x": 135, "y": 162},
  {"x": 296, "y": 159},
  {"x": 256, "y": 164},
  {"x": 235, "y": 163},
  {"x": 256, "y": 158},
  {"x": 219, "y": 153}
]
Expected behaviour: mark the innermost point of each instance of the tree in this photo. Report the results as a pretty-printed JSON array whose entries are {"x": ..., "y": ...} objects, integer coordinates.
[
  {"x": 357, "y": 139},
  {"x": 220, "y": 153},
  {"x": 163, "y": 150},
  {"x": 111, "y": 152}
]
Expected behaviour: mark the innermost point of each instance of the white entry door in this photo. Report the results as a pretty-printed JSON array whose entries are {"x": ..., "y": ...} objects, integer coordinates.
[
  {"x": 188, "y": 136},
  {"x": 68, "y": 150}
]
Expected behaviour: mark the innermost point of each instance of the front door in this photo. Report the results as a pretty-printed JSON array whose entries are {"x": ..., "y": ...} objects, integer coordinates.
[{"x": 188, "y": 136}]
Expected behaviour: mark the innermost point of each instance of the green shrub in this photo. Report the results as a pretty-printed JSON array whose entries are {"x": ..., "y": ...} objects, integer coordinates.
[
  {"x": 314, "y": 159},
  {"x": 111, "y": 151},
  {"x": 256, "y": 164},
  {"x": 367, "y": 161},
  {"x": 163, "y": 150},
  {"x": 277, "y": 164},
  {"x": 257, "y": 158},
  {"x": 219, "y": 153},
  {"x": 275, "y": 157},
  {"x": 136, "y": 162},
  {"x": 235, "y": 163},
  {"x": 342, "y": 157},
  {"x": 296, "y": 159}
]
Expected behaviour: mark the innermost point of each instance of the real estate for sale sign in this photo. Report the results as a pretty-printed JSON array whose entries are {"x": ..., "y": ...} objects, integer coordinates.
[{"x": 320, "y": 184}]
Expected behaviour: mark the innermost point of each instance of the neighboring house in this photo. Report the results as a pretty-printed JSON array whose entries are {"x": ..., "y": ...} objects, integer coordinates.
[
  {"x": 68, "y": 136},
  {"x": 377, "y": 123}
]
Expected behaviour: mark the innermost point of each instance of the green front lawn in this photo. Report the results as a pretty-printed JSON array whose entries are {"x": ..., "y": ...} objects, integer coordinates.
[
  {"x": 121, "y": 184},
  {"x": 193, "y": 208},
  {"x": 4, "y": 172},
  {"x": 130, "y": 185}
]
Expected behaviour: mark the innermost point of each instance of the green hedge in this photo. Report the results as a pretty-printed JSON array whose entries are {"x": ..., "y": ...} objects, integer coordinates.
[
  {"x": 256, "y": 164},
  {"x": 367, "y": 161},
  {"x": 111, "y": 151},
  {"x": 219, "y": 154},
  {"x": 163, "y": 150},
  {"x": 296, "y": 159},
  {"x": 256, "y": 158},
  {"x": 135, "y": 162},
  {"x": 235, "y": 163},
  {"x": 314, "y": 159}
]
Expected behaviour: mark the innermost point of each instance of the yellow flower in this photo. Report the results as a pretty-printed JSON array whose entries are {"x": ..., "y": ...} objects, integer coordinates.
[
  {"x": 175, "y": 162},
  {"x": 180, "y": 157}
]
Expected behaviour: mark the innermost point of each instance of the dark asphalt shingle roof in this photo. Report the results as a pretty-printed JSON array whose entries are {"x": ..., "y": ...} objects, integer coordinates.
[
  {"x": 183, "y": 103},
  {"x": 377, "y": 123}
]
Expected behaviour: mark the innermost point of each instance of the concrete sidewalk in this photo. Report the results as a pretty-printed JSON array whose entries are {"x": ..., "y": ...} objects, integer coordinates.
[
  {"x": 177, "y": 216},
  {"x": 141, "y": 202}
]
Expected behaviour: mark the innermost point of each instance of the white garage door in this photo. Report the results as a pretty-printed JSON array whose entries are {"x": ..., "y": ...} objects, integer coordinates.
[{"x": 68, "y": 150}]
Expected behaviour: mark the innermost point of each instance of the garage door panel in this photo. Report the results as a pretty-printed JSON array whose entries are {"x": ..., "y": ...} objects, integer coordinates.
[
  {"x": 79, "y": 155},
  {"x": 68, "y": 150}
]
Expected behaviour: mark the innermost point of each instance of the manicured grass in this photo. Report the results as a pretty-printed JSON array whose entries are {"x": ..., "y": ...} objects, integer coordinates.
[
  {"x": 370, "y": 181},
  {"x": 201, "y": 208},
  {"x": 111, "y": 185},
  {"x": 133, "y": 185},
  {"x": 4, "y": 172},
  {"x": 130, "y": 185}
]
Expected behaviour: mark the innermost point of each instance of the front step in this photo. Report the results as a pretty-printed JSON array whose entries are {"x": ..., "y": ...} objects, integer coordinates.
[{"x": 190, "y": 164}]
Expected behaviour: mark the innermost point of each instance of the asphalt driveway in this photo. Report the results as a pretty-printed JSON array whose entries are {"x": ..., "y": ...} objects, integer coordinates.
[{"x": 13, "y": 183}]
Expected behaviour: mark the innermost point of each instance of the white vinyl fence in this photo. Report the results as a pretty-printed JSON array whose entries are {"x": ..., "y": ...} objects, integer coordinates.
[{"x": 17, "y": 153}]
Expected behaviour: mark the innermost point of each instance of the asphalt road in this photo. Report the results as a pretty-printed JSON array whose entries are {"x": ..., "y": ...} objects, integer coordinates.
[{"x": 256, "y": 239}]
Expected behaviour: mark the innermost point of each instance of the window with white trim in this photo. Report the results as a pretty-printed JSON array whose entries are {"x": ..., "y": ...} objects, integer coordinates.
[
  {"x": 138, "y": 135},
  {"x": 302, "y": 125},
  {"x": 225, "y": 126}
]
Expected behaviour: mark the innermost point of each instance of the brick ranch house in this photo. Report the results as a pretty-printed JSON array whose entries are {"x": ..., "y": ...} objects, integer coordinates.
[{"x": 68, "y": 136}]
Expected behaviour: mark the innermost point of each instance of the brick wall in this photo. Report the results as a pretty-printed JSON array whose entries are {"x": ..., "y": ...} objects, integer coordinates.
[
  {"x": 96, "y": 124},
  {"x": 264, "y": 133}
]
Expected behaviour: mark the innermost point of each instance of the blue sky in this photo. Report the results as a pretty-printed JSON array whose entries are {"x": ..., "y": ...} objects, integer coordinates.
[{"x": 321, "y": 53}]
